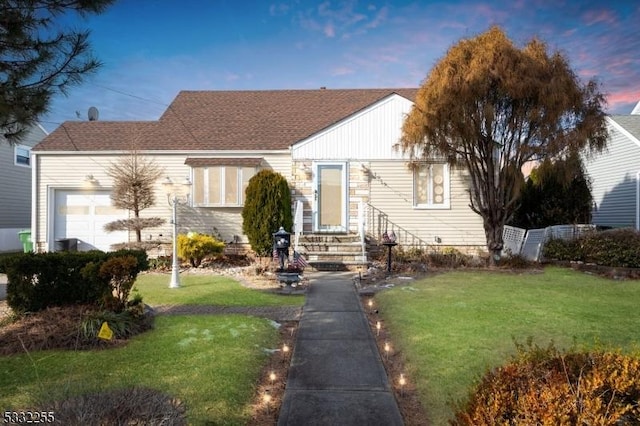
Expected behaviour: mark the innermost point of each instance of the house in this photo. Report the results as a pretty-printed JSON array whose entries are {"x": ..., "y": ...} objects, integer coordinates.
[
  {"x": 615, "y": 174},
  {"x": 335, "y": 147},
  {"x": 15, "y": 187}
]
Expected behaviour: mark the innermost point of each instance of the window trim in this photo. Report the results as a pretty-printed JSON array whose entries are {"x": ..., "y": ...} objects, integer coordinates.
[
  {"x": 447, "y": 188},
  {"x": 16, "y": 156},
  {"x": 204, "y": 189}
]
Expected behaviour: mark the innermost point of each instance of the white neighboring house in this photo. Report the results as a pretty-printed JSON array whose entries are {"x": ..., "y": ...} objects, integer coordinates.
[
  {"x": 615, "y": 174},
  {"x": 15, "y": 187},
  {"x": 335, "y": 147}
]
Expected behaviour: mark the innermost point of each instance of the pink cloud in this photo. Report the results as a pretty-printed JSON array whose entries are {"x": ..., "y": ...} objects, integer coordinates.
[
  {"x": 592, "y": 17},
  {"x": 621, "y": 99},
  {"x": 329, "y": 30}
]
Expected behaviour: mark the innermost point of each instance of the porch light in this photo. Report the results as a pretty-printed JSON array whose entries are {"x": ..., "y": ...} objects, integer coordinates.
[
  {"x": 90, "y": 181},
  {"x": 306, "y": 169},
  {"x": 364, "y": 171},
  {"x": 177, "y": 194}
]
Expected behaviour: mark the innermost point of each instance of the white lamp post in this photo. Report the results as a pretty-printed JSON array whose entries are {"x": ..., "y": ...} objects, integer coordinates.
[{"x": 176, "y": 194}]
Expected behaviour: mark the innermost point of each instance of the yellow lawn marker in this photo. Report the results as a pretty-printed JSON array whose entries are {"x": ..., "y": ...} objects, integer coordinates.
[{"x": 105, "y": 332}]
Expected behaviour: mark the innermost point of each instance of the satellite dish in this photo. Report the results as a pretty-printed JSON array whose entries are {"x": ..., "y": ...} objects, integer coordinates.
[{"x": 93, "y": 114}]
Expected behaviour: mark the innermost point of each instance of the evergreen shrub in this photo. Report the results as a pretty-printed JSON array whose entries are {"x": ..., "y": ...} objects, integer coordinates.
[
  {"x": 41, "y": 280},
  {"x": 614, "y": 247},
  {"x": 267, "y": 207}
]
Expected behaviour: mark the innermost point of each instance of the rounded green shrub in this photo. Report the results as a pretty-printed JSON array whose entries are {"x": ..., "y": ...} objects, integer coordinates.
[
  {"x": 195, "y": 247},
  {"x": 614, "y": 247},
  {"x": 566, "y": 250},
  {"x": 267, "y": 207},
  {"x": 546, "y": 387}
]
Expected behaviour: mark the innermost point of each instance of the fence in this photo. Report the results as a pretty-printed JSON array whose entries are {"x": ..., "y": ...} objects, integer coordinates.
[{"x": 530, "y": 243}]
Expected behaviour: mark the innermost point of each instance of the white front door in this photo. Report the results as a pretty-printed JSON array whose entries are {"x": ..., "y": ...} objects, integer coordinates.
[
  {"x": 82, "y": 214},
  {"x": 330, "y": 197}
]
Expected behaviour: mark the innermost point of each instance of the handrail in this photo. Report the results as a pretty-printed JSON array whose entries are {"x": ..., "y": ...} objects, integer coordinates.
[{"x": 378, "y": 222}]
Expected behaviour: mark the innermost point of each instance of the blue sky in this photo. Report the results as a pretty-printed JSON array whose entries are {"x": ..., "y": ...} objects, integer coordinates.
[{"x": 152, "y": 49}]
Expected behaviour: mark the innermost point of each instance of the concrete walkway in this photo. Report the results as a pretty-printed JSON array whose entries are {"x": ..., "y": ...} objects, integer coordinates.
[{"x": 336, "y": 375}]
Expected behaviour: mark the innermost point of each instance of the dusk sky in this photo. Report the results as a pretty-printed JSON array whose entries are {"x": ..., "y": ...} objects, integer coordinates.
[{"x": 152, "y": 49}]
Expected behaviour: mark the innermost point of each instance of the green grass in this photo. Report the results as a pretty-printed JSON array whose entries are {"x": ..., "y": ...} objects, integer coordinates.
[
  {"x": 452, "y": 327},
  {"x": 209, "y": 362},
  {"x": 206, "y": 290}
]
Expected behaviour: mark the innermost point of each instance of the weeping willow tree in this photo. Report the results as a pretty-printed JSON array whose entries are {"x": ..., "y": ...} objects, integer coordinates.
[{"x": 488, "y": 107}]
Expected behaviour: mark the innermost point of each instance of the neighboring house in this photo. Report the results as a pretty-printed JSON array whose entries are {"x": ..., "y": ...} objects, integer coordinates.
[
  {"x": 15, "y": 187},
  {"x": 335, "y": 147},
  {"x": 615, "y": 174}
]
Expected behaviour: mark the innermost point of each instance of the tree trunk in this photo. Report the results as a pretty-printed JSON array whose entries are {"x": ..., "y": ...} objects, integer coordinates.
[{"x": 493, "y": 231}]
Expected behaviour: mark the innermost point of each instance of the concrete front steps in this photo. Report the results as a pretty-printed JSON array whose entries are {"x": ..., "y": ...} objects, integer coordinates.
[{"x": 333, "y": 252}]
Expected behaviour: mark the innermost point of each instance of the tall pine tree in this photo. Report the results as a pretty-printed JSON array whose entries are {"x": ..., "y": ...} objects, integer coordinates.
[{"x": 40, "y": 58}]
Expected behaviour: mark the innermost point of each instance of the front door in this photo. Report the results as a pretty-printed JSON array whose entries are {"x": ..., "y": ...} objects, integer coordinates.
[{"x": 330, "y": 195}]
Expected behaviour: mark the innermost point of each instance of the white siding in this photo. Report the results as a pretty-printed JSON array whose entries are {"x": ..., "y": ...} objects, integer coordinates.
[
  {"x": 369, "y": 134},
  {"x": 392, "y": 195},
  {"x": 613, "y": 180},
  {"x": 68, "y": 171}
]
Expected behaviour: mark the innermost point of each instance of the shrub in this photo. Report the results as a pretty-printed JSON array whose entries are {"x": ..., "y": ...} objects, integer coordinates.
[
  {"x": 124, "y": 324},
  {"x": 38, "y": 281},
  {"x": 559, "y": 249},
  {"x": 544, "y": 386},
  {"x": 195, "y": 247},
  {"x": 131, "y": 406},
  {"x": 121, "y": 273},
  {"x": 614, "y": 247},
  {"x": 448, "y": 257},
  {"x": 267, "y": 207}
]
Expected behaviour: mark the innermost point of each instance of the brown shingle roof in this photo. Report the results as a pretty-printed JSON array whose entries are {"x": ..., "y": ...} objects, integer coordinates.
[{"x": 223, "y": 120}]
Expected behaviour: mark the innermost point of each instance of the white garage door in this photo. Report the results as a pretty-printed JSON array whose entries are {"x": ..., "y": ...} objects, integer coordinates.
[{"x": 82, "y": 215}]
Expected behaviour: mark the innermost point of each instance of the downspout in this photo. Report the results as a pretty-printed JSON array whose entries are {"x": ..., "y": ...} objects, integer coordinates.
[
  {"x": 638, "y": 201},
  {"x": 34, "y": 201}
]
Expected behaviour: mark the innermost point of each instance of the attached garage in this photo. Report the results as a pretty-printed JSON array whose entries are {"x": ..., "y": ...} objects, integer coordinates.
[{"x": 81, "y": 215}]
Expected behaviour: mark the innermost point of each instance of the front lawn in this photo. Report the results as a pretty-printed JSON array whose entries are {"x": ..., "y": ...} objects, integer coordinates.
[
  {"x": 453, "y": 326},
  {"x": 211, "y": 363},
  {"x": 206, "y": 290}
]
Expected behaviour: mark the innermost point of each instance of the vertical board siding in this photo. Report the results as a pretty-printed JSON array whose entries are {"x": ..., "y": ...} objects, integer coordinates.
[
  {"x": 370, "y": 134},
  {"x": 392, "y": 194},
  {"x": 613, "y": 181},
  {"x": 69, "y": 171}
]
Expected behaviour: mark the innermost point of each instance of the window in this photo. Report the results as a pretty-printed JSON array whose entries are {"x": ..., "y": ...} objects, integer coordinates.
[
  {"x": 431, "y": 185},
  {"x": 22, "y": 155},
  {"x": 221, "y": 185}
]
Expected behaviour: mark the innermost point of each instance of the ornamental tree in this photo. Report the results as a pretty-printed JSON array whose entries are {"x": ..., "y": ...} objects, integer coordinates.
[
  {"x": 134, "y": 178},
  {"x": 267, "y": 207},
  {"x": 489, "y": 106},
  {"x": 41, "y": 55}
]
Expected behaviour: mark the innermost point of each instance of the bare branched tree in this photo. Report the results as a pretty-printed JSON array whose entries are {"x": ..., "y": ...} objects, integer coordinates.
[
  {"x": 489, "y": 107},
  {"x": 133, "y": 180}
]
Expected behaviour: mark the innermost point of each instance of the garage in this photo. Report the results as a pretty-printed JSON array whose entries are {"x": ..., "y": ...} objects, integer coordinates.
[{"x": 81, "y": 215}]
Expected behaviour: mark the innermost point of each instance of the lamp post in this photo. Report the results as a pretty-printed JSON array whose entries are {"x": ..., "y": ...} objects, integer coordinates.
[{"x": 176, "y": 194}]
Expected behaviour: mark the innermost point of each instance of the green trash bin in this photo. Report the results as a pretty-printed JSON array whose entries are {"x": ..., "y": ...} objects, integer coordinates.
[{"x": 25, "y": 239}]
